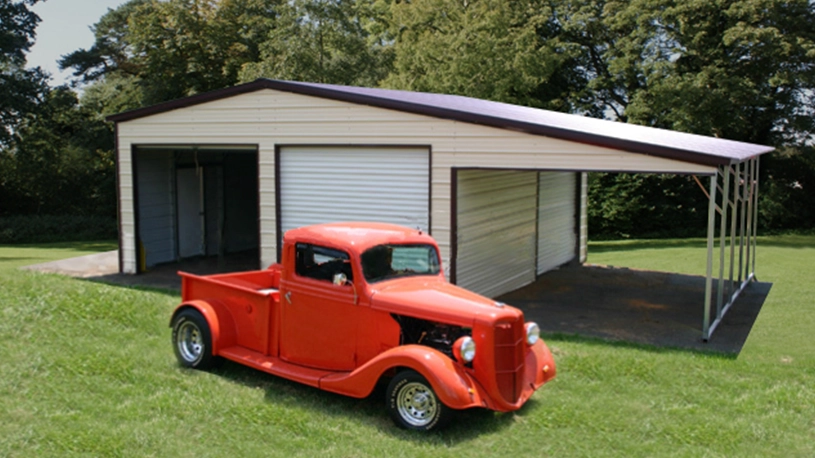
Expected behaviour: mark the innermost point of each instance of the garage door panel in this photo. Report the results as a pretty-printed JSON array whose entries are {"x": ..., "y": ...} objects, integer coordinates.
[
  {"x": 557, "y": 237},
  {"x": 328, "y": 184},
  {"x": 495, "y": 230}
]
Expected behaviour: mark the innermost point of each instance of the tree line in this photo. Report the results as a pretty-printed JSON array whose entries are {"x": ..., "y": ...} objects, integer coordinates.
[{"x": 736, "y": 69}]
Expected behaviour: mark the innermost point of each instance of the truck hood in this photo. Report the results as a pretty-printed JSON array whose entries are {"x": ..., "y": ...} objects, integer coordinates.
[{"x": 433, "y": 298}]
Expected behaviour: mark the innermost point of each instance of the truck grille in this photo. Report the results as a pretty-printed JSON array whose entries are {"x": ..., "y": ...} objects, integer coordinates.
[{"x": 509, "y": 359}]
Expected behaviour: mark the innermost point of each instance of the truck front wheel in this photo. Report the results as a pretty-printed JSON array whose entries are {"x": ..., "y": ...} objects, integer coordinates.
[
  {"x": 192, "y": 340},
  {"x": 414, "y": 405}
]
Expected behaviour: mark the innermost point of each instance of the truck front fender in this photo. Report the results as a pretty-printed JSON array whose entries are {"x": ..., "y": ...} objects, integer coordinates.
[
  {"x": 449, "y": 379},
  {"x": 221, "y": 325}
]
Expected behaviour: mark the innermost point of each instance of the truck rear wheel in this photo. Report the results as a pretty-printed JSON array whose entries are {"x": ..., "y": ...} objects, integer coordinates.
[
  {"x": 192, "y": 340},
  {"x": 414, "y": 405}
]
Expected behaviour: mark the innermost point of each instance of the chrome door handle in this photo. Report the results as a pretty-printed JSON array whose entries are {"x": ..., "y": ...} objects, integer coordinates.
[{"x": 288, "y": 297}]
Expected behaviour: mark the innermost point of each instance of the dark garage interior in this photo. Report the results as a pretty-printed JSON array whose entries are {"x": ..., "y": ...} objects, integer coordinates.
[{"x": 197, "y": 205}]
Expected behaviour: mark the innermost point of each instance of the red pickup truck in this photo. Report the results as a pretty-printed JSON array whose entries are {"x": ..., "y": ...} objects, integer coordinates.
[{"x": 353, "y": 304}]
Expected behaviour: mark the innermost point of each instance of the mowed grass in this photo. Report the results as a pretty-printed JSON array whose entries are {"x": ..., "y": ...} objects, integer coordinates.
[{"x": 87, "y": 370}]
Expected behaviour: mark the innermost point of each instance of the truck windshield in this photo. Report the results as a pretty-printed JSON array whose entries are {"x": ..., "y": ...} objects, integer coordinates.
[{"x": 389, "y": 261}]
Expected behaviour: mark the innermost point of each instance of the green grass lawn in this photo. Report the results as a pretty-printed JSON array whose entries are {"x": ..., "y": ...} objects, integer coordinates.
[{"x": 87, "y": 370}]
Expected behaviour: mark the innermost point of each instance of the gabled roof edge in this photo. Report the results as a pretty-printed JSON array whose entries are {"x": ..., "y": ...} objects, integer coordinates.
[{"x": 679, "y": 154}]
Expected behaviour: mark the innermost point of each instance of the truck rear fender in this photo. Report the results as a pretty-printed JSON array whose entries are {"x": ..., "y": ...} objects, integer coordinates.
[
  {"x": 452, "y": 384},
  {"x": 221, "y": 325}
]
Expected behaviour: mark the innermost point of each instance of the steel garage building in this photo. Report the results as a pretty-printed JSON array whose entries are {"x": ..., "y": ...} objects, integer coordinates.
[{"x": 501, "y": 187}]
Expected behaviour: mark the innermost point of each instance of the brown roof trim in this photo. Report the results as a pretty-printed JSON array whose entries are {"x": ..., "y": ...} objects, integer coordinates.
[{"x": 478, "y": 115}]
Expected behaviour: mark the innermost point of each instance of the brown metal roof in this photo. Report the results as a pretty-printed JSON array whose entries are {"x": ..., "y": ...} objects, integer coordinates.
[{"x": 681, "y": 146}]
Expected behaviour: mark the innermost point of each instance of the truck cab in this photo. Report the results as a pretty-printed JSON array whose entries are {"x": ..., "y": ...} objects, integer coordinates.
[{"x": 353, "y": 304}]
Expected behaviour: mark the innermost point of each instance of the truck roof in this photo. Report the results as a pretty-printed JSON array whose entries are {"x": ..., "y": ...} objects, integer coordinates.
[{"x": 357, "y": 236}]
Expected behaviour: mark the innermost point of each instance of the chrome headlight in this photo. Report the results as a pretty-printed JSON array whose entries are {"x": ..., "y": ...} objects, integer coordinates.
[
  {"x": 533, "y": 333},
  {"x": 464, "y": 349}
]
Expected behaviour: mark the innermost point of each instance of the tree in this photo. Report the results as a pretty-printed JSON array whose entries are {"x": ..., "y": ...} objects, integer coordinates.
[
  {"x": 171, "y": 49},
  {"x": 743, "y": 70},
  {"x": 61, "y": 161},
  {"x": 490, "y": 49},
  {"x": 21, "y": 87},
  {"x": 738, "y": 69},
  {"x": 326, "y": 41}
]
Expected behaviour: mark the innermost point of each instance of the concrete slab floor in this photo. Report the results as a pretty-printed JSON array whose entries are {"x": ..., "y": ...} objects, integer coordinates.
[{"x": 643, "y": 307}]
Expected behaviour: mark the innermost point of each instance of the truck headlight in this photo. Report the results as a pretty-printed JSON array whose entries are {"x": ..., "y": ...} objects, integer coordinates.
[
  {"x": 533, "y": 333},
  {"x": 464, "y": 349}
]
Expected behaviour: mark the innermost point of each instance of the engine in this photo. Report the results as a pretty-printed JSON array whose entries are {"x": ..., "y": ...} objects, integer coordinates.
[{"x": 435, "y": 335}]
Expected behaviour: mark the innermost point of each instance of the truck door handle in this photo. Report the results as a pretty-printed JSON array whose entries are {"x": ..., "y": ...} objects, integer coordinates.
[{"x": 288, "y": 297}]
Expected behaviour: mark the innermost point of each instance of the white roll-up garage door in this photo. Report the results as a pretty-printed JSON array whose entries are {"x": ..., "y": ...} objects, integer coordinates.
[
  {"x": 556, "y": 219},
  {"x": 322, "y": 184},
  {"x": 495, "y": 230}
]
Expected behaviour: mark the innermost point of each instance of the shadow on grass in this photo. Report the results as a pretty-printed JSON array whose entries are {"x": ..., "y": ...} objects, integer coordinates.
[
  {"x": 370, "y": 411},
  {"x": 782, "y": 241},
  {"x": 96, "y": 245},
  {"x": 606, "y": 343},
  {"x": 112, "y": 280},
  {"x": 15, "y": 259},
  {"x": 633, "y": 245},
  {"x": 788, "y": 241}
]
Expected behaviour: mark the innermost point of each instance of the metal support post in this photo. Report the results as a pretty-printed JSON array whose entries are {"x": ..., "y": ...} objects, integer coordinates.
[
  {"x": 722, "y": 240},
  {"x": 755, "y": 217},
  {"x": 743, "y": 200},
  {"x": 711, "y": 228},
  {"x": 749, "y": 217}
]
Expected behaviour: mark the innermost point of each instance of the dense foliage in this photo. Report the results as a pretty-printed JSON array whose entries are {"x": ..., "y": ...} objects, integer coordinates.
[{"x": 737, "y": 69}]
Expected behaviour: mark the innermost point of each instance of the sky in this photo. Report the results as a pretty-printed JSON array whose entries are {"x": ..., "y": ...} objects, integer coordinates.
[{"x": 65, "y": 27}]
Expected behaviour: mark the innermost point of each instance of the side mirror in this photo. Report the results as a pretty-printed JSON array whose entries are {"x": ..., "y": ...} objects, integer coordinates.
[{"x": 340, "y": 279}]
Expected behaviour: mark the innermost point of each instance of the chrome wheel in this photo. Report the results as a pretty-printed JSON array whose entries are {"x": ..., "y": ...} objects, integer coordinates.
[
  {"x": 417, "y": 404},
  {"x": 190, "y": 342}
]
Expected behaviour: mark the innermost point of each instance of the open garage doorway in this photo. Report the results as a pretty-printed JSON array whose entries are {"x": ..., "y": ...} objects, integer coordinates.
[{"x": 197, "y": 205}]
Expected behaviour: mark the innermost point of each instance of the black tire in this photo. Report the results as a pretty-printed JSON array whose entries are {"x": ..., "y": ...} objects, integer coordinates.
[
  {"x": 413, "y": 404},
  {"x": 192, "y": 340}
]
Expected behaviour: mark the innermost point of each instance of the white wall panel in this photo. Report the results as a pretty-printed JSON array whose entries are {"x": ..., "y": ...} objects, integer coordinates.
[
  {"x": 328, "y": 184},
  {"x": 267, "y": 118},
  {"x": 156, "y": 200},
  {"x": 496, "y": 230},
  {"x": 557, "y": 213}
]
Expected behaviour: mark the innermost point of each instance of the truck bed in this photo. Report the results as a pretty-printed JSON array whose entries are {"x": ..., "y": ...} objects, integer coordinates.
[{"x": 247, "y": 304}]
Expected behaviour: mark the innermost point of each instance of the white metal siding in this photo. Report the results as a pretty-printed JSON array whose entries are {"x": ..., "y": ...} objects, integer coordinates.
[
  {"x": 156, "y": 200},
  {"x": 268, "y": 118},
  {"x": 496, "y": 230},
  {"x": 327, "y": 184},
  {"x": 557, "y": 212}
]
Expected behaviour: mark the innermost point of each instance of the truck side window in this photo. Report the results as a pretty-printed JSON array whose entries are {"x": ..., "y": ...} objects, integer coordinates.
[{"x": 321, "y": 263}]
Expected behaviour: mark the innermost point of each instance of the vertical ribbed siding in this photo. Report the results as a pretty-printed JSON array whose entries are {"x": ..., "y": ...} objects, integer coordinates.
[
  {"x": 496, "y": 230},
  {"x": 556, "y": 220},
  {"x": 328, "y": 184},
  {"x": 156, "y": 202}
]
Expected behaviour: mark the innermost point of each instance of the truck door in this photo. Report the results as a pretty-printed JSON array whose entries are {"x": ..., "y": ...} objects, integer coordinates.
[{"x": 319, "y": 316}]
